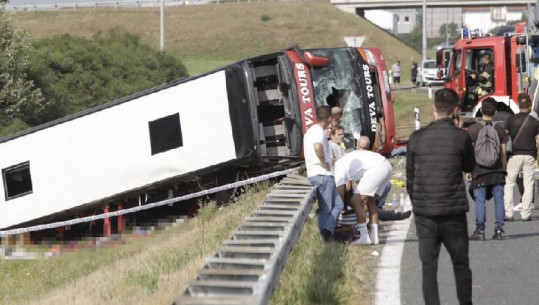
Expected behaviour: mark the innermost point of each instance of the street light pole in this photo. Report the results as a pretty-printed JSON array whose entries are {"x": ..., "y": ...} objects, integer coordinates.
[
  {"x": 162, "y": 27},
  {"x": 447, "y": 27},
  {"x": 424, "y": 29}
]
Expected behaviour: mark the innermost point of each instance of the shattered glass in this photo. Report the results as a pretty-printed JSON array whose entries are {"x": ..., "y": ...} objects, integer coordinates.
[{"x": 334, "y": 86}]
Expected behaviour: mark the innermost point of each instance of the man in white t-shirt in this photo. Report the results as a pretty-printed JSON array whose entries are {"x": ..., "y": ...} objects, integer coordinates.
[
  {"x": 396, "y": 73},
  {"x": 319, "y": 163},
  {"x": 373, "y": 172}
]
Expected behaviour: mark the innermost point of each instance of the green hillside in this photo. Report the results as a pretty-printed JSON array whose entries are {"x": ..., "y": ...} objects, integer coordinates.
[{"x": 207, "y": 36}]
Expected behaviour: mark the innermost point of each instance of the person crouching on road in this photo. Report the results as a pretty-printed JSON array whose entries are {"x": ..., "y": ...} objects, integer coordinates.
[
  {"x": 319, "y": 163},
  {"x": 373, "y": 171},
  {"x": 383, "y": 215}
]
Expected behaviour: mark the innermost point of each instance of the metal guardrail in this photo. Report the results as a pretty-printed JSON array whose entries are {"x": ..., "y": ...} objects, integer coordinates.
[
  {"x": 116, "y": 4},
  {"x": 391, "y": 4},
  {"x": 247, "y": 267},
  {"x": 99, "y": 4}
]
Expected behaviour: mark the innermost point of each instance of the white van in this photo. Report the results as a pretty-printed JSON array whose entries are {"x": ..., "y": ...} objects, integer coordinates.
[{"x": 427, "y": 74}]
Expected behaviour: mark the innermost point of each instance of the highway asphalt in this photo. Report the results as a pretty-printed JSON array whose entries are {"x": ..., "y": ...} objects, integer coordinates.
[{"x": 505, "y": 272}]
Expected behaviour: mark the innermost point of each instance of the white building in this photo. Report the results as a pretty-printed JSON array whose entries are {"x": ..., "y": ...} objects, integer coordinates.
[{"x": 485, "y": 18}]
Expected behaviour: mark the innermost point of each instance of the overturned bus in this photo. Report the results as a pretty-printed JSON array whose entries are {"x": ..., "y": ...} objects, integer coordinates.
[{"x": 182, "y": 136}]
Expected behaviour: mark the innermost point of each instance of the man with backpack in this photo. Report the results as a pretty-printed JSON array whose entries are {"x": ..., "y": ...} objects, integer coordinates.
[{"x": 488, "y": 176}]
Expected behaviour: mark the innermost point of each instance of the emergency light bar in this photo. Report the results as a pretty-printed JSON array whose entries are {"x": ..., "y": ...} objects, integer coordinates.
[{"x": 470, "y": 34}]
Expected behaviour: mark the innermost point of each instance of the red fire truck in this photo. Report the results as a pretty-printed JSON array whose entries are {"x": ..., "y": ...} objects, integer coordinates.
[{"x": 513, "y": 62}]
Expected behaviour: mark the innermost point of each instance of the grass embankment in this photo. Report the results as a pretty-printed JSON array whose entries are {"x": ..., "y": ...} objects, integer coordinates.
[
  {"x": 209, "y": 36},
  {"x": 405, "y": 102},
  {"x": 326, "y": 273},
  {"x": 150, "y": 270},
  {"x": 154, "y": 269}
]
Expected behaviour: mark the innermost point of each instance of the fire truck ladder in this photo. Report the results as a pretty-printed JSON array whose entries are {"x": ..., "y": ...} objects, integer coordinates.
[{"x": 246, "y": 268}]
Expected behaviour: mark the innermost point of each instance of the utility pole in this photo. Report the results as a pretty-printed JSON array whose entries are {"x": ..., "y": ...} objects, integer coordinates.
[
  {"x": 162, "y": 27},
  {"x": 424, "y": 29},
  {"x": 447, "y": 27}
]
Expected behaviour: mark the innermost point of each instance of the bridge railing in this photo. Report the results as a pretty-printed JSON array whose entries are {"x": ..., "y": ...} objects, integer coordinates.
[
  {"x": 117, "y": 4},
  {"x": 385, "y": 4}
]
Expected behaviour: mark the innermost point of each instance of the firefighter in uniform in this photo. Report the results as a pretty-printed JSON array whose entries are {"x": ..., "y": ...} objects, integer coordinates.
[{"x": 482, "y": 82}]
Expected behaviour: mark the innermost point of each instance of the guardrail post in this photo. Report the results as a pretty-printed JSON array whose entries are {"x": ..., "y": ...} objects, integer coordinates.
[
  {"x": 60, "y": 232},
  {"x": 120, "y": 219},
  {"x": 417, "y": 122},
  {"x": 106, "y": 222}
]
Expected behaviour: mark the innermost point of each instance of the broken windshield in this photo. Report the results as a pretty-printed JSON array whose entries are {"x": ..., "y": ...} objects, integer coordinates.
[{"x": 335, "y": 85}]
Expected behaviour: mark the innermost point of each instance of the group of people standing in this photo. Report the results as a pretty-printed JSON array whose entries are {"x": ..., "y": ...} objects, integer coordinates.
[
  {"x": 344, "y": 174},
  {"x": 396, "y": 75},
  {"x": 437, "y": 157},
  {"x": 518, "y": 140}
]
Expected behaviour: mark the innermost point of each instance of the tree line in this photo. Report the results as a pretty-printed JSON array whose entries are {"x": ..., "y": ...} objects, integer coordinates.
[{"x": 46, "y": 79}]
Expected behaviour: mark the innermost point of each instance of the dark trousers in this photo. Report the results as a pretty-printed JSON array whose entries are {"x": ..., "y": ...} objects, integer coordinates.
[{"x": 452, "y": 232}]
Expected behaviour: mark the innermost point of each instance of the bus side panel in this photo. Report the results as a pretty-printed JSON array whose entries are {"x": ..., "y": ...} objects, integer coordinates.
[{"x": 110, "y": 151}]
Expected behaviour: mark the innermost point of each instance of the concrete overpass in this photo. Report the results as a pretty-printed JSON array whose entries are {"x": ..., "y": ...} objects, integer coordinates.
[{"x": 395, "y": 4}]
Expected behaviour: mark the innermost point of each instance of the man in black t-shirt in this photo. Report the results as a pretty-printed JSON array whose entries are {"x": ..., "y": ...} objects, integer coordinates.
[
  {"x": 486, "y": 182},
  {"x": 413, "y": 75},
  {"x": 523, "y": 157}
]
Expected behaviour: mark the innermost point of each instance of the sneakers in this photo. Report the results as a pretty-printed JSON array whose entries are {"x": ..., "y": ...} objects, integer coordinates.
[
  {"x": 518, "y": 207},
  {"x": 498, "y": 234},
  {"x": 478, "y": 235},
  {"x": 404, "y": 215},
  {"x": 509, "y": 218},
  {"x": 342, "y": 237},
  {"x": 361, "y": 235},
  {"x": 326, "y": 235}
]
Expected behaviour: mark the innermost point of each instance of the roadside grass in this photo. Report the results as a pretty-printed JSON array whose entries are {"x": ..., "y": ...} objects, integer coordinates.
[
  {"x": 330, "y": 273},
  {"x": 326, "y": 273},
  {"x": 156, "y": 268},
  {"x": 150, "y": 270},
  {"x": 405, "y": 102},
  {"x": 205, "y": 36},
  {"x": 197, "y": 66}
]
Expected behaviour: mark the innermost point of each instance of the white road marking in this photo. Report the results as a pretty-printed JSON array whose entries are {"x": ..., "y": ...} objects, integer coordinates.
[{"x": 388, "y": 275}]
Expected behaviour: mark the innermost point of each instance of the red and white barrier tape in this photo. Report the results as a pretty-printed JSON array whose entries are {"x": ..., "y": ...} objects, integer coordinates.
[{"x": 147, "y": 206}]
